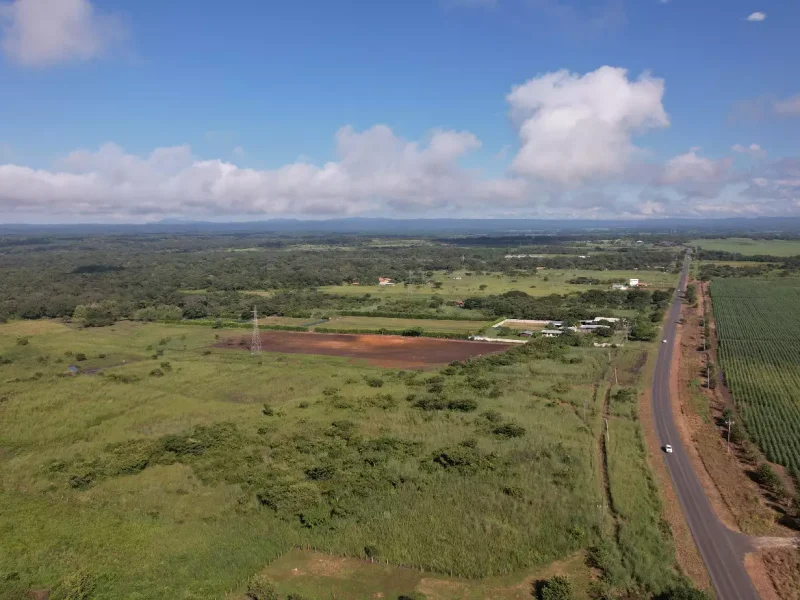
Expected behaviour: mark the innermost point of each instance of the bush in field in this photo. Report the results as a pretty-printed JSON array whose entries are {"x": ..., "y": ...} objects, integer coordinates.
[
  {"x": 509, "y": 430},
  {"x": 156, "y": 373},
  {"x": 557, "y": 588},
  {"x": 413, "y": 596},
  {"x": 80, "y": 356},
  {"x": 261, "y": 588},
  {"x": 413, "y": 332},
  {"x": 431, "y": 403},
  {"x": 98, "y": 314},
  {"x": 683, "y": 593},
  {"x": 624, "y": 395},
  {"x": 463, "y": 405},
  {"x": 766, "y": 476},
  {"x": 374, "y": 382},
  {"x": 162, "y": 312},
  {"x": 267, "y": 410},
  {"x": 77, "y": 586}
]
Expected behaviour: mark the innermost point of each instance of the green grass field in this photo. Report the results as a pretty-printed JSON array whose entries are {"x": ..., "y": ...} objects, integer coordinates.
[
  {"x": 185, "y": 470},
  {"x": 751, "y": 247},
  {"x": 544, "y": 283}
]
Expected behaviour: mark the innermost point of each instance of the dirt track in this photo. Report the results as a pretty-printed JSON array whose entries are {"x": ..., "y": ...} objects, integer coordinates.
[{"x": 381, "y": 350}]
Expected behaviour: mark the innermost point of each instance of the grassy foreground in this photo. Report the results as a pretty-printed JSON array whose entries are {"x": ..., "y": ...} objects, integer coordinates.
[{"x": 180, "y": 471}]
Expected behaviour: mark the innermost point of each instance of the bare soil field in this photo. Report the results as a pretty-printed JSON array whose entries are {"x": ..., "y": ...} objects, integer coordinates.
[{"x": 380, "y": 350}]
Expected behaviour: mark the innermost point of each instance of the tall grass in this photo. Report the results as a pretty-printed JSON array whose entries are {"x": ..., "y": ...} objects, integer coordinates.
[{"x": 113, "y": 472}]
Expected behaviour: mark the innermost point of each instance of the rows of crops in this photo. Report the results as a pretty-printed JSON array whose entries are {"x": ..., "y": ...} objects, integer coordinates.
[{"x": 758, "y": 323}]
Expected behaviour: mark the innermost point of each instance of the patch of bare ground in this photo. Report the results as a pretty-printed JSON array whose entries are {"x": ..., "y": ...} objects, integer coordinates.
[
  {"x": 689, "y": 560},
  {"x": 737, "y": 500},
  {"x": 757, "y": 570},
  {"x": 380, "y": 350},
  {"x": 783, "y": 568}
]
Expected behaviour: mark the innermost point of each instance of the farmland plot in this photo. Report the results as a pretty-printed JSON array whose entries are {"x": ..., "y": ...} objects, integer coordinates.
[{"x": 758, "y": 323}]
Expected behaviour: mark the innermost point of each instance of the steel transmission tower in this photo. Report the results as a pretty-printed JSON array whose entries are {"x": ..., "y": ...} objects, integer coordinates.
[{"x": 255, "y": 345}]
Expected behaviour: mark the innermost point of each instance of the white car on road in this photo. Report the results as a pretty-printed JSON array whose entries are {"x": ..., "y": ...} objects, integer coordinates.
[
  {"x": 668, "y": 449},
  {"x": 663, "y": 341}
]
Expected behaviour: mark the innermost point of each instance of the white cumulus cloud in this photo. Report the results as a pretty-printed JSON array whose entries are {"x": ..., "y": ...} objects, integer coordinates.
[
  {"x": 754, "y": 150},
  {"x": 757, "y": 17},
  {"x": 577, "y": 157},
  {"x": 376, "y": 170},
  {"x": 38, "y": 33},
  {"x": 574, "y": 128},
  {"x": 790, "y": 107}
]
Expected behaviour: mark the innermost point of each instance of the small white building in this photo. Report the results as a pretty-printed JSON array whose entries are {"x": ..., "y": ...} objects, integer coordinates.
[
  {"x": 551, "y": 332},
  {"x": 633, "y": 282},
  {"x": 385, "y": 281}
]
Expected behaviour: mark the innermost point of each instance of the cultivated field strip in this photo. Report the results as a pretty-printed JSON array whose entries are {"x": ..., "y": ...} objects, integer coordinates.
[{"x": 758, "y": 324}]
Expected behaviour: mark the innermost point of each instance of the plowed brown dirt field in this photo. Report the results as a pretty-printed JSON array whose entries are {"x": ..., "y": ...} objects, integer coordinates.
[{"x": 380, "y": 350}]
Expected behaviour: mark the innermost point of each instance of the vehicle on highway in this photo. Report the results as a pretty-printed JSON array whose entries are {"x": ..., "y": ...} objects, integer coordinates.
[
  {"x": 663, "y": 341},
  {"x": 668, "y": 449}
]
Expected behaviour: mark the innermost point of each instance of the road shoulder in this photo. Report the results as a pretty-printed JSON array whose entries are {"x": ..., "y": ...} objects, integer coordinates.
[{"x": 687, "y": 555}]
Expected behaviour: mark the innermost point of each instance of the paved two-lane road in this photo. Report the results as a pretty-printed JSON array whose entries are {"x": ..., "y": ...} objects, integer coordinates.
[{"x": 722, "y": 549}]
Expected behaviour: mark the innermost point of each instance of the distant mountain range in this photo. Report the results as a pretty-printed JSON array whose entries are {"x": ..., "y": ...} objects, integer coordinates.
[{"x": 361, "y": 225}]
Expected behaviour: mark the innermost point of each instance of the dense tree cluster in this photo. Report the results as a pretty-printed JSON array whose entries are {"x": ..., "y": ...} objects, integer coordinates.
[
  {"x": 132, "y": 276},
  {"x": 586, "y": 305}
]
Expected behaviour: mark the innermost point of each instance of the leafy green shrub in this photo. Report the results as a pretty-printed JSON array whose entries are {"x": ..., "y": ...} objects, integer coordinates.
[
  {"x": 412, "y": 332},
  {"x": 509, "y": 430},
  {"x": 77, "y": 586},
  {"x": 344, "y": 429},
  {"x": 463, "y": 405},
  {"x": 374, "y": 382},
  {"x": 766, "y": 476},
  {"x": 261, "y": 588},
  {"x": 464, "y": 459},
  {"x": 480, "y": 384},
  {"x": 268, "y": 410},
  {"x": 683, "y": 593},
  {"x": 557, "y": 588},
  {"x": 624, "y": 395},
  {"x": 156, "y": 373},
  {"x": 413, "y": 596},
  {"x": 431, "y": 403},
  {"x": 166, "y": 366},
  {"x": 22, "y": 341}
]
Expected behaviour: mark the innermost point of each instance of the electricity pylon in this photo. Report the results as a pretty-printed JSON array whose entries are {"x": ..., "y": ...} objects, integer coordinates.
[{"x": 255, "y": 345}]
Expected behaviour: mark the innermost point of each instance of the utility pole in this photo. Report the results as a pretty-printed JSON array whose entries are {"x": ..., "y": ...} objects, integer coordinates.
[
  {"x": 729, "y": 423},
  {"x": 606, "y": 420}
]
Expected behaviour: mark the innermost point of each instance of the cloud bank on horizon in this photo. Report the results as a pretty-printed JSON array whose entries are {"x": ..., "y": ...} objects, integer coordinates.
[{"x": 578, "y": 155}]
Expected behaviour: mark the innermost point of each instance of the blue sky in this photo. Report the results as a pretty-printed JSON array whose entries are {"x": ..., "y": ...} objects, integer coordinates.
[{"x": 252, "y": 89}]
